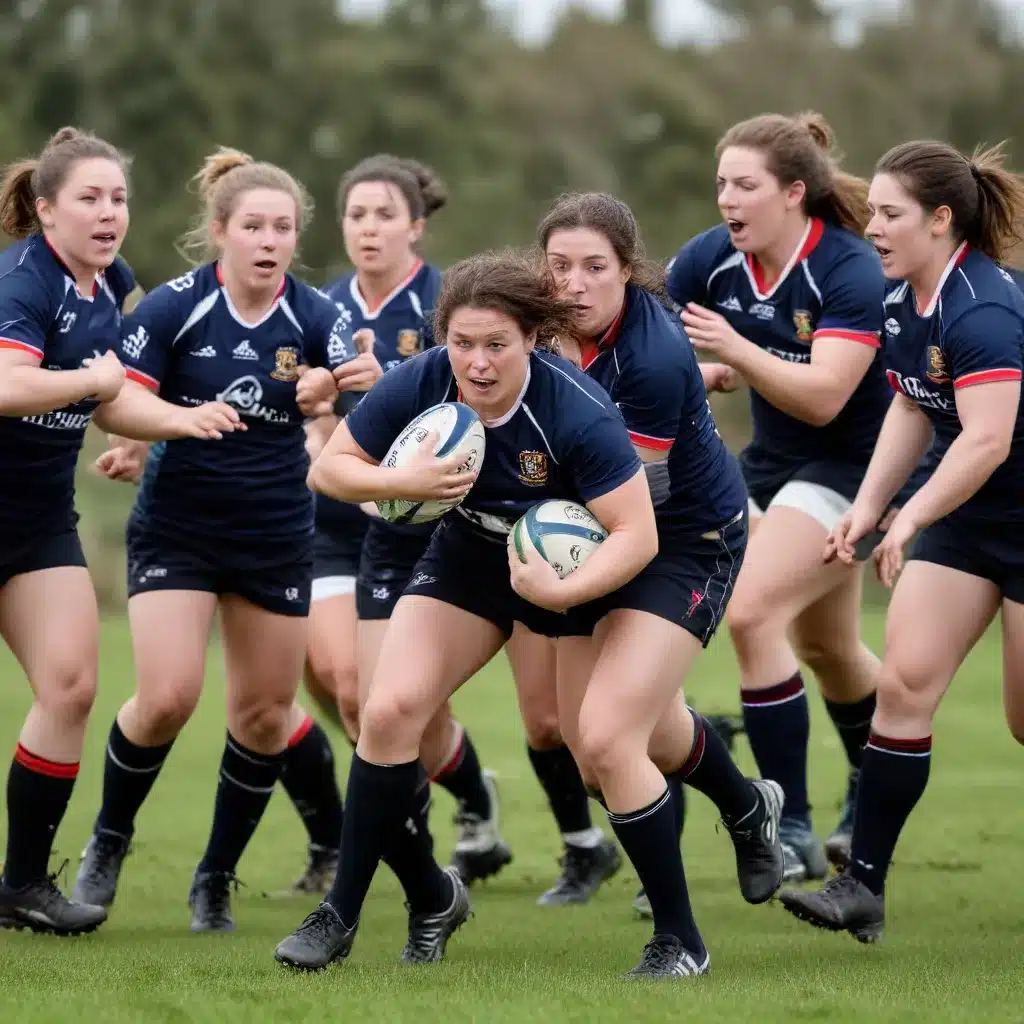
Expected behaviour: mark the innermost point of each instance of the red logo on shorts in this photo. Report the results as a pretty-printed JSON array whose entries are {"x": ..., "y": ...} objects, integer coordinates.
[{"x": 695, "y": 599}]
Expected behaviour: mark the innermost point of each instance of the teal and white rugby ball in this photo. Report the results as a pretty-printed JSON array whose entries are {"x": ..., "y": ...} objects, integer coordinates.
[
  {"x": 563, "y": 533},
  {"x": 459, "y": 431}
]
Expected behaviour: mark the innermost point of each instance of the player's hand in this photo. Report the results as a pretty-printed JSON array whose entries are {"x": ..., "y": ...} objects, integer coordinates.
[
  {"x": 106, "y": 376},
  {"x": 123, "y": 462},
  {"x": 425, "y": 477},
  {"x": 889, "y": 554},
  {"x": 534, "y": 580},
  {"x": 710, "y": 332},
  {"x": 855, "y": 525},
  {"x": 364, "y": 340},
  {"x": 210, "y": 421},
  {"x": 719, "y": 377},
  {"x": 315, "y": 392},
  {"x": 359, "y": 374}
]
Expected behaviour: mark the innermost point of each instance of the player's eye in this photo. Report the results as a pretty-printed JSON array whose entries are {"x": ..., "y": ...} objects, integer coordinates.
[{"x": 597, "y": 267}]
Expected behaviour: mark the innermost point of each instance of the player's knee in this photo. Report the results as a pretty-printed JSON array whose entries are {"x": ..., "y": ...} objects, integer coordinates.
[
  {"x": 167, "y": 710},
  {"x": 604, "y": 748},
  {"x": 824, "y": 657},
  {"x": 908, "y": 690},
  {"x": 393, "y": 717},
  {"x": 543, "y": 731},
  {"x": 68, "y": 690},
  {"x": 748, "y": 615}
]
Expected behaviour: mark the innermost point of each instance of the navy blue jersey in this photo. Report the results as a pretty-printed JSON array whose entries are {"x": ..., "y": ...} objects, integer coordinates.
[
  {"x": 832, "y": 287},
  {"x": 646, "y": 364},
  {"x": 562, "y": 439},
  {"x": 247, "y": 492},
  {"x": 401, "y": 327},
  {"x": 43, "y": 313},
  {"x": 972, "y": 332}
]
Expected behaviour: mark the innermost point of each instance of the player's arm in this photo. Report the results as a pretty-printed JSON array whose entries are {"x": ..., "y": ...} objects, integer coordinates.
[
  {"x": 984, "y": 353},
  {"x": 904, "y": 438},
  {"x": 26, "y": 389}
]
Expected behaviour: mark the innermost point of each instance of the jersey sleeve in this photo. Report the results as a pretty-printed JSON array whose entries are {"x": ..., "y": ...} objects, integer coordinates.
[
  {"x": 852, "y": 301},
  {"x": 148, "y": 334},
  {"x": 603, "y": 456},
  {"x": 687, "y": 272},
  {"x": 25, "y": 313},
  {"x": 387, "y": 408},
  {"x": 650, "y": 400},
  {"x": 984, "y": 346}
]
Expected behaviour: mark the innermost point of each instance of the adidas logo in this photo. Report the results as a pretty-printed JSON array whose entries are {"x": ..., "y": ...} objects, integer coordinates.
[
  {"x": 206, "y": 352},
  {"x": 732, "y": 303},
  {"x": 245, "y": 351}
]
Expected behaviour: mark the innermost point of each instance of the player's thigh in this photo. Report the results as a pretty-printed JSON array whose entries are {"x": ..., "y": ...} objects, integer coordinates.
[
  {"x": 641, "y": 662},
  {"x": 170, "y": 633},
  {"x": 263, "y": 656},
  {"x": 331, "y": 645},
  {"x": 830, "y": 626},
  {"x": 49, "y": 620},
  {"x": 575, "y": 659},
  {"x": 533, "y": 660},
  {"x": 936, "y": 615},
  {"x": 430, "y": 650},
  {"x": 783, "y": 570}
]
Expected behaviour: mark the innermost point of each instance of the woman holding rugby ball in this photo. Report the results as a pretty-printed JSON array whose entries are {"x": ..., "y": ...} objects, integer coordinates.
[{"x": 492, "y": 312}]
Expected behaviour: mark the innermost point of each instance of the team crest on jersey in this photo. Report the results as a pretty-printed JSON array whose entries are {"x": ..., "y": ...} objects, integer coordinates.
[
  {"x": 533, "y": 468},
  {"x": 286, "y": 364},
  {"x": 409, "y": 342},
  {"x": 936, "y": 365},
  {"x": 804, "y": 326}
]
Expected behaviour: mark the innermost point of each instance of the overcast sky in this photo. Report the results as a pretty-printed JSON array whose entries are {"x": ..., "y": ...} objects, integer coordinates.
[{"x": 679, "y": 19}]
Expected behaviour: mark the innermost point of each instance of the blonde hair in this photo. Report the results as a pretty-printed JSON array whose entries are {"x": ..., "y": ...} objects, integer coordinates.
[
  {"x": 42, "y": 177},
  {"x": 802, "y": 148},
  {"x": 224, "y": 178}
]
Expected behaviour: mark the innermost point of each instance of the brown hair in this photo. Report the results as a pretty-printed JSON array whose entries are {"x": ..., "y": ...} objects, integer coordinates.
[
  {"x": 986, "y": 199},
  {"x": 43, "y": 177},
  {"x": 507, "y": 282},
  {"x": 422, "y": 189},
  {"x": 612, "y": 218},
  {"x": 802, "y": 148},
  {"x": 225, "y": 176}
]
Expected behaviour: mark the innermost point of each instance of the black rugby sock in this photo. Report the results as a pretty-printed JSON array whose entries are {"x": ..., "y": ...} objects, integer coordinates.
[
  {"x": 853, "y": 723},
  {"x": 308, "y": 778},
  {"x": 463, "y": 778},
  {"x": 129, "y": 772},
  {"x": 560, "y": 778}
]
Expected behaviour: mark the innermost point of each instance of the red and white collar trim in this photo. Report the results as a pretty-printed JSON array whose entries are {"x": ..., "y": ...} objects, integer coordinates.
[
  {"x": 502, "y": 420},
  {"x": 954, "y": 261},
  {"x": 755, "y": 272},
  {"x": 590, "y": 348},
  {"x": 234, "y": 311},
  {"x": 67, "y": 272},
  {"x": 371, "y": 313}
]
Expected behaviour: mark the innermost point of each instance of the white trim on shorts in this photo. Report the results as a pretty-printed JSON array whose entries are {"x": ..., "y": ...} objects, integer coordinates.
[
  {"x": 332, "y": 586},
  {"x": 821, "y": 503}
]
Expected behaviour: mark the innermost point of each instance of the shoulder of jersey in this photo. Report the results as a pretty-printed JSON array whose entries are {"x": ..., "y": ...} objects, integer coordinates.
[
  {"x": 427, "y": 284},
  {"x": 121, "y": 279},
  {"x": 190, "y": 287},
  {"x": 837, "y": 243},
  {"x": 305, "y": 297},
  {"x": 713, "y": 244},
  {"x": 339, "y": 289},
  {"x": 29, "y": 259},
  {"x": 567, "y": 379},
  {"x": 982, "y": 281}
]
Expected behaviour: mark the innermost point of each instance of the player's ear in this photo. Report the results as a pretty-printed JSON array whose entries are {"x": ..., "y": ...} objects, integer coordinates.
[
  {"x": 416, "y": 230},
  {"x": 942, "y": 221},
  {"x": 625, "y": 273},
  {"x": 44, "y": 211},
  {"x": 795, "y": 194},
  {"x": 217, "y": 233},
  {"x": 530, "y": 342}
]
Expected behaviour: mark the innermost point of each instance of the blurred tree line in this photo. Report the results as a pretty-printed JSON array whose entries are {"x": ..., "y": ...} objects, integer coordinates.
[{"x": 599, "y": 106}]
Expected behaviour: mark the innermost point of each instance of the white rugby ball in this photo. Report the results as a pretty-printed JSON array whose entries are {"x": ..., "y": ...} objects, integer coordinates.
[
  {"x": 459, "y": 431},
  {"x": 563, "y": 533}
]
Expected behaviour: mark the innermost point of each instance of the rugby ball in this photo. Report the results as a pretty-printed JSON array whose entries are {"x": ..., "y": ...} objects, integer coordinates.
[
  {"x": 459, "y": 431},
  {"x": 563, "y": 533}
]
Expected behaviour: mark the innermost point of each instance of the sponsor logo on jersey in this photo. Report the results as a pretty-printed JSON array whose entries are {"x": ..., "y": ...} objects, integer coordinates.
[
  {"x": 732, "y": 304},
  {"x": 533, "y": 468},
  {"x": 246, "y": 395},
  {"x": 206, "y": 352},
  {"x": 892, "y": 326},
  {"x": 762, "y": 310},
  {"x": 409, "y": 342},
  {"x": 67, "y": 321},
  {"x": 804, "y": 326},
  {"x": 183, "y": 283},
  {"x": 286, "y": 364},
  {"x": 245, "y": 351},
  {"x": 936, "y": 371},
  {"x": 135, "y": 343}
]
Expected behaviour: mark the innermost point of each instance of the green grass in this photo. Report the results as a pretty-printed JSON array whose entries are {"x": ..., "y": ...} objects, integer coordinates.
[{"x": 956, "y": 914}]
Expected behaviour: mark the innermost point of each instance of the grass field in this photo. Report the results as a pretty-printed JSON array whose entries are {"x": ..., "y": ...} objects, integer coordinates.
[{"x": 954, "y": 950}]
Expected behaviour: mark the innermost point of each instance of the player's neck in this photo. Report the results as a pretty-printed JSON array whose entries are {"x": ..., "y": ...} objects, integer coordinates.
[
  {"x": 250, "y": 304},
  {"x": 925, "y": 282},
  {"x": 84, "y": 276},
  {"x": 775, "y": 258},
  {"x": 376, "y": 287}
]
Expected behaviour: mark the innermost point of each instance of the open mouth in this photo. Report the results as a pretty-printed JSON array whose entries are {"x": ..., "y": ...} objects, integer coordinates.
[
  {"x": 482, "y": 385},
  {"x": 735, "y": 226},
  {"x": 884, "y": 252},
  {"x": 266, "y": 264},
  {"x": 104, "y": 237}
]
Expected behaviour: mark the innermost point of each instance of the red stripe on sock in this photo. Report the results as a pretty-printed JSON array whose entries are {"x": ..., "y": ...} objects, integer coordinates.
[
  {"x": 454, "y": 761},
  {"x": 691, "y": 763},
  {"x": 40, "y": 765},
  {"x": 915, "y": 746},
  {"x": 300, "y": 734},
  {"x": 792, "y": 687}
]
